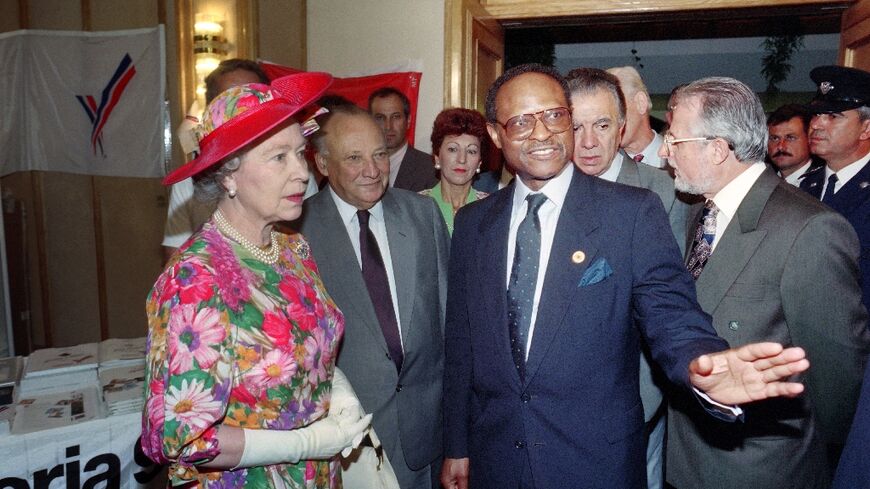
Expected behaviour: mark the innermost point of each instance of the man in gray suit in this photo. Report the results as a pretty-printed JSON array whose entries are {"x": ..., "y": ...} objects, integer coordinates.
[
  {"x": 599, "y": 113},
  {"x": 770, "y": 265},
  {"x": 382, "y": 254}
]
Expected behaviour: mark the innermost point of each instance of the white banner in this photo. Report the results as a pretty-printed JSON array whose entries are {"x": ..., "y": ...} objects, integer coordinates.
[{"x": 83, "y": 102}]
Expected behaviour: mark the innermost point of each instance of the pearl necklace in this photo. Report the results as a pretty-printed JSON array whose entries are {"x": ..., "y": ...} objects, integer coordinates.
[{"x": 268, "y": 257}]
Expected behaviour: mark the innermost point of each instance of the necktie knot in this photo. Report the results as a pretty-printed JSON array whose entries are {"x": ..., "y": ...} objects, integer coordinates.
[
  {"x": 535, "y": 202},
  {"x": 363, "y": 218}
]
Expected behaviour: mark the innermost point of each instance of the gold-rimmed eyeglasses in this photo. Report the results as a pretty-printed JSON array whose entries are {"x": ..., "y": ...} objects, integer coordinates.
[
  {"x": 670, "y": 140},
  {"x": 520, "y": 127}
]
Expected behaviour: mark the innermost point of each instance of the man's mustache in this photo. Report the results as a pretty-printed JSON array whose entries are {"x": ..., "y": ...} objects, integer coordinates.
[{"x": 782, "y": 153}]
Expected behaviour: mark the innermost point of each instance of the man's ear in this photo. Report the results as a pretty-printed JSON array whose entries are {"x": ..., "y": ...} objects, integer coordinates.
[
  {"x": 865, "y": 130},
  {"x": 493, "y": 134},
  {"x": 721, "y": 151},
  {"x": 641, "y": 102},
  {"x": 320, "y": 161}
]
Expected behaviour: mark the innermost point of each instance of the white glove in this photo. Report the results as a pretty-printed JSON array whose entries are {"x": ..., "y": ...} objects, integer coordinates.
[
  {"x": 322, "y": 439},
  {"x": 345, "y": 406}
]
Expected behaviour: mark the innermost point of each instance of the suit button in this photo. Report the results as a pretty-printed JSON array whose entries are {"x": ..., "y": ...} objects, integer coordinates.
[
  {"x": 526, "y": 398},
  {"x": 399, "y": 388},
  {"x": 519, "y": 444}
]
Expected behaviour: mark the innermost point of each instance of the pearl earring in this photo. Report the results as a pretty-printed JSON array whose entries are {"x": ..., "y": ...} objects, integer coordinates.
[
  {"x": 232, "y": 193},
  {"x": 437, "y": 166},
  {"x": 478, "y": 170}
]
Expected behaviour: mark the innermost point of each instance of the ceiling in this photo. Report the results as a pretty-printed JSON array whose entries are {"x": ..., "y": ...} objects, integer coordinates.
[{"x": 705, "y": 24}]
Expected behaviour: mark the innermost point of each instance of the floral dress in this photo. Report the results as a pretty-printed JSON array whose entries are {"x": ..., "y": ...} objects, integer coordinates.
[{"x": 234, "y": 341}]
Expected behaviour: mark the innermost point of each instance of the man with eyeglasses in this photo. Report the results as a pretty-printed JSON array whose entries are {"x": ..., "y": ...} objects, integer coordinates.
[
  {"x": 770, "y": 264},
  {"x": 552, "y": 282},
  {"x": 788, "y": 147}
]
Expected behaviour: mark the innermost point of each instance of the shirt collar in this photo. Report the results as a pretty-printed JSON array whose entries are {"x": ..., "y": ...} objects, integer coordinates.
[
  {"x": 847, "y": 172},
  {"x": 728, "y": 199},
  {"x": 348, "y": 212},
  {"x": 615, "y": 166},
  {"x": 798, "y": 174},
  {"x": 556, "y": 189}
]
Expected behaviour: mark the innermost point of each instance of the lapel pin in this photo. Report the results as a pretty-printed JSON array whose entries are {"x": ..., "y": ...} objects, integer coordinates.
[
  {"x": 814, "y": 184},
  {"x": 733, "y": 325},
  {"x": 863, "y": 185},
  {"x": 578, "y": 257}
]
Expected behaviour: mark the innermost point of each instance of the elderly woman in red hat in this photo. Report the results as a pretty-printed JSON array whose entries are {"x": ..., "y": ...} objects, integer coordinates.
[{"x": 242, "y": 388}]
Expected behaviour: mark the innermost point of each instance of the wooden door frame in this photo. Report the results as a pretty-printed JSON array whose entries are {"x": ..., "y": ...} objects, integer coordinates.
[{"x": 461, "y": 14}]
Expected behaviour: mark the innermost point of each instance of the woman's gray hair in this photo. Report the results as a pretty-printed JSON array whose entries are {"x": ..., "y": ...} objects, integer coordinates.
[
  {"x": 732, "y": 111},
  {"x": 208, "y": 186}
]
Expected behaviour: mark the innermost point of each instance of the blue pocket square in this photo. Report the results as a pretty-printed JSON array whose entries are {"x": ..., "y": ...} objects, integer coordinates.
[{"x": 597, "y": 271}]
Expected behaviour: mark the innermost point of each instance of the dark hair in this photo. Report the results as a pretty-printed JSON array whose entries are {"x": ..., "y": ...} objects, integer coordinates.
[
  {"x": 229, "y": 66},
  {"x": 318, "y": 139},
  {"x": 388, "y": 91},
  {"x": 331, "y": 100},
  {"x": 587, "y": 80},
  {"x": 787, "y": 112},
  {"x": 456, "y": 122},
  {"x": 515, "y": 72}
]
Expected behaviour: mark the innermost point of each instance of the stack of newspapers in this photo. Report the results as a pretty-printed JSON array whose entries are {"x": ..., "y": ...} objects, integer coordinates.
[
  {"x": 60, "y": 369},
  {"x": 64, "y": 386},
  {"x": 122, "y": 375},
  {"x": 10, "y": 371}
]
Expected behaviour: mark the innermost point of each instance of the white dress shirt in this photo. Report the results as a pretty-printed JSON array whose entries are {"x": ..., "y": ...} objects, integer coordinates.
[
  {"x": 396, "y": 161},
  {"x": 615, "y": 167},
  {"x": 728, "y": 199},
  {"x": 379, "y": 229},
  {"x": 555, "y": 190},
  {"x": 651, "y": 152},
  {"x": 795, "y": 177},
  {"x": 845, "y": 174}
]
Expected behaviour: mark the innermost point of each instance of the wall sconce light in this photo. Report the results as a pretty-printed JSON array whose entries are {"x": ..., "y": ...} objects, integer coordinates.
[{"x": 209, "y": 48}]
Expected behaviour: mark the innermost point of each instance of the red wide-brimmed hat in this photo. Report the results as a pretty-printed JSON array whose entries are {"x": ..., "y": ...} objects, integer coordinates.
[{"x": 241, "y": 114}]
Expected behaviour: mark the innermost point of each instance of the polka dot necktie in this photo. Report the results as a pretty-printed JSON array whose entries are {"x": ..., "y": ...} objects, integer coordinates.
[
  {"x": 524, "y": 278},
  {"x": 702, "y": 245}
]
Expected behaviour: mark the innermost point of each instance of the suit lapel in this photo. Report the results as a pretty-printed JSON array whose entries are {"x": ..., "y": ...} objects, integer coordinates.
[
  {"x": 403, "y": 242},
  {"x": 737, "y": 245},
  {"x": 628, "y": 174},
  {"x": 340, "y": 263},
  {"x": 854, "y": 193},
  {"x": 492, "y": 264},
  {"x": 575, "y": 231}
]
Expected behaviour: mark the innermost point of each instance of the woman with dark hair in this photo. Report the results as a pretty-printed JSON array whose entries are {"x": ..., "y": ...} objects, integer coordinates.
[
  {"x": 459, "y": 144},
  {"x": 242, "y": 389}
]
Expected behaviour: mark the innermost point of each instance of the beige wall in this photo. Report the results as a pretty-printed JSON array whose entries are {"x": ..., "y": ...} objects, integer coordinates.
[{"x": 354, "y": 36}]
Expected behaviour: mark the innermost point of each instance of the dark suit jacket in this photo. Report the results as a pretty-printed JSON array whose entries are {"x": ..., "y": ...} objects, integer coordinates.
[
  {"x": 784, "y": 270},
  {"x": 487, "y": 181},
  {"x": 577, "y": 419},
  {"x": 406, "y": 406},
  {"x": 853, "y": 201},
  {"x": 416, "y": 172},
  {"x": 854, "y": 468},
  {"x": 660, "y": 182}
]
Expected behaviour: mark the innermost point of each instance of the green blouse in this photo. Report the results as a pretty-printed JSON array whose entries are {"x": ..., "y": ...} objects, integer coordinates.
[{"x": 447, "y": 207}]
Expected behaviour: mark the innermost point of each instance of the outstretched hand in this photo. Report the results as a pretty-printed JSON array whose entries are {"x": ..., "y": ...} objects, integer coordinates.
[{"x": 749, "y": 373}]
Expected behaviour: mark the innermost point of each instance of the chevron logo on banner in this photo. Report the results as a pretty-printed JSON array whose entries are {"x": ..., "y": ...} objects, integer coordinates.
[{"x": 99, "y": 114}]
